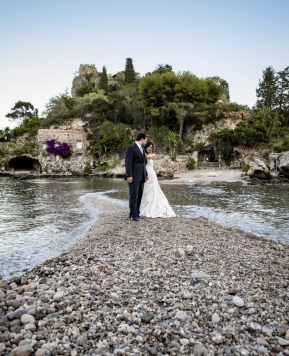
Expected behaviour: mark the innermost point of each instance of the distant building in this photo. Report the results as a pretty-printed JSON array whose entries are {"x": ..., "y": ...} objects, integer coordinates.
[{"x": 55, "y": 163}]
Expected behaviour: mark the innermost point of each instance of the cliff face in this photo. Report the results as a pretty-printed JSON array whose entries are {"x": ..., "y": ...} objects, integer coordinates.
[{"x": 230, "y": 120}]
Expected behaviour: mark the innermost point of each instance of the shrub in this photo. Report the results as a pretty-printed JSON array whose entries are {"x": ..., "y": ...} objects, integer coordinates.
[
  {"x": 283, "y": 147},
  {"x": 6, "y": 164},
  {"x": 103, "y": 167},
  {"x": 29, "y": 125},
  {"x": 17, "y": 149},
  {"x": 200, "y": 146},
  {"x": 191, "y": 163},
  {"x": 112, "y": 138},
  {"x": 87, "y": 170},
  {"x": 246, "y": 168}
]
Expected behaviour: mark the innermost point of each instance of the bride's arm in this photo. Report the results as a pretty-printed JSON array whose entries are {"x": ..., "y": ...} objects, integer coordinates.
[{"x": 150, "y": 156}]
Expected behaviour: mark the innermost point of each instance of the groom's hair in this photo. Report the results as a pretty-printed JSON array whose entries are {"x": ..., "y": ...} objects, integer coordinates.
[{"x": 141, "y": 136}]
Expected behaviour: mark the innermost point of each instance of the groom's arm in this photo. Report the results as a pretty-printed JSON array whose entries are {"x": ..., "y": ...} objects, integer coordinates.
[{"x": 128, "y": 163}]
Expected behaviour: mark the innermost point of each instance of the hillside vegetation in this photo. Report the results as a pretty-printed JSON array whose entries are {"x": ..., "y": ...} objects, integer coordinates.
[{"x": 163, "y": 104}]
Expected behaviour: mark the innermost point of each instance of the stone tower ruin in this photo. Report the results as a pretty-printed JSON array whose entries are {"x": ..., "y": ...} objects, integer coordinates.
[{"x": 80, "y": 80}]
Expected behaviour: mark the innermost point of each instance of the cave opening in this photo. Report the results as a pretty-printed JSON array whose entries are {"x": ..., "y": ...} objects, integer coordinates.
[{"x": 24, "y": 163}]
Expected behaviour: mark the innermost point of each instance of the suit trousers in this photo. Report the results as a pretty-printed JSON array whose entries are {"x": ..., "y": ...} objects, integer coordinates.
[{"x": 135, "y": 196}]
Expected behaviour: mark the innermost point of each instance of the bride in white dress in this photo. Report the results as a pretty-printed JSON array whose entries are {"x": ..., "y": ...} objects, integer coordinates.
[{"x": 154, "y": 203}]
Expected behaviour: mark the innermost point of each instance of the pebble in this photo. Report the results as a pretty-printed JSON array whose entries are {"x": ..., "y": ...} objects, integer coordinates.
[
  {"x": 239, "y": 302},
  {"x": 215, "y": 318},
  {"x": 181, "y": 315},
  {"x": 262, "y": 341},
  {"x": 283, "y": 342},
  {"x": 188, "y": 295},
  {"x": 200, "y": 274},
  {"x": 147, "y": 317},
  {"x": 200, "y": 350},
  {"x": 262, "y": 350},
  {"x": 21, "y": 351},
  {"x": 27, "y": 319}
]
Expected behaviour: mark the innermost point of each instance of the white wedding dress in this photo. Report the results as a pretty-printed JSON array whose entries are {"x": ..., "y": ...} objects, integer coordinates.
[{"x": 154, "y": 203}]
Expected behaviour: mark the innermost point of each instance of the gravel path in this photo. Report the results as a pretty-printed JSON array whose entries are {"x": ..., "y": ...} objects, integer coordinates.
[{"x": 154, "y": 287}]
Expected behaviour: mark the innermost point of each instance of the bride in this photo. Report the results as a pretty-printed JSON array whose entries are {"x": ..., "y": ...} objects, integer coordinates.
[{"x": 154, "y": 203}]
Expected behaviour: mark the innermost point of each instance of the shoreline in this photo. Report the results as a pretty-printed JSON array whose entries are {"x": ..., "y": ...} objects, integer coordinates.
[
  {"x": 206, "y": 176},
  {"x": 152, "y": 287},
  {"x": 195, "y": 177}
]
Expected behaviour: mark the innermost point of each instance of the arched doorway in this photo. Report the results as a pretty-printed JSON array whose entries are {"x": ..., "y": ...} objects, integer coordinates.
[
  {"x": 24, "y": 163},
  {"x": 207, "y": 159}
]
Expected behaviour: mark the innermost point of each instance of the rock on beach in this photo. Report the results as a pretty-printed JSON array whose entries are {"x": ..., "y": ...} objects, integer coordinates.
[{"x": 138, "y": 289}]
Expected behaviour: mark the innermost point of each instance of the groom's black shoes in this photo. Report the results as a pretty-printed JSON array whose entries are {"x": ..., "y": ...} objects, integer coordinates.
[
  {"x": 139, "y": 217},
  {"x": 132, "y": 218}
]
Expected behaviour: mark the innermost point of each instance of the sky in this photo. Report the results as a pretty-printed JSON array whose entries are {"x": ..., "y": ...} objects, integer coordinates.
[{"x": 43, "y": 42}]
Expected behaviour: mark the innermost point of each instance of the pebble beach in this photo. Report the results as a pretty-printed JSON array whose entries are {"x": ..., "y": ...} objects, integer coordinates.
[{"x": 153, "y": 287}]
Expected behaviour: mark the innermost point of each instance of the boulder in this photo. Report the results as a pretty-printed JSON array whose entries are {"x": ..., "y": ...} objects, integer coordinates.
[
  {"x": 284, "y": 164},
  {"x": 274, "y": 164},
  {"x": 259, "y": 170}
]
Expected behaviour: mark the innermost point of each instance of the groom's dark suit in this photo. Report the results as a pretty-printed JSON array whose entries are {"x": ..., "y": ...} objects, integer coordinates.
[{"x": 135, "y": 167}]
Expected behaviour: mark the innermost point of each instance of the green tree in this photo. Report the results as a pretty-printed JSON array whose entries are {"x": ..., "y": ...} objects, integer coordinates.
[
  {"x": 104, "y": 81},
  {"x": 111, "y": 138},
  {"x": 5, "y": 134},
  {"x": 269, "y": 119},
  {"x": 224, "y": 84},
  {"x": 267, "y": 90},
  {"x": 172, "y": 140},
  {"x": 129, "y": 73},
  {"x": 174, "y": 97},
  {"x": 22, "y": 110},
  {"x": 158, "y": 134},
  {"x": 58, "y": 109},
  {"x": 283, "y": 90},
  {"x": 29, "y": 125},
  {"x": 83, "y": 104},
  {"x": 163, "y": 68}
]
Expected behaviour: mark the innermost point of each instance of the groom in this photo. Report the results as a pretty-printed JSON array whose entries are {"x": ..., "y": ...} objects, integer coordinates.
[{"x": 136, "y": 174}]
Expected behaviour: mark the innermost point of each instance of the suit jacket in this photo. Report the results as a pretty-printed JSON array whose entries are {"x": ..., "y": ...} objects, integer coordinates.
[{"x": 135, "y": 163}]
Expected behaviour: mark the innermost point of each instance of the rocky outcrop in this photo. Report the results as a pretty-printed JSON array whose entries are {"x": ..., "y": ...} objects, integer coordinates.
[
  {"x": 258, "y": 169},
  {"x": 274, "y": 164},
  {"x": 277, "y": 167},
  {"x": 230, "y": 120},
  {"x": 81, "y": 79},
  {"x": 75, "y": 125},
  {"x": 284, "y": 164}
]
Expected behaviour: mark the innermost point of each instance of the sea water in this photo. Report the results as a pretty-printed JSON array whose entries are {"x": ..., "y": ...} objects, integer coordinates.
[{"x": 41, "y": 218}]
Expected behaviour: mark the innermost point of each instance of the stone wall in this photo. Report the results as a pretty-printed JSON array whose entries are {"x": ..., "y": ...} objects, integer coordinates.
[{"x": 55, "y": 164}]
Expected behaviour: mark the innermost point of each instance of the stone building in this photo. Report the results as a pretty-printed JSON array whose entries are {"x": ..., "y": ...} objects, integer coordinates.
[{"x": 56, "y": 164}]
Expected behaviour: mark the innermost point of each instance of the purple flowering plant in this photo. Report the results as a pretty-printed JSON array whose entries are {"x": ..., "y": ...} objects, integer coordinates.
[{"x": 57, "y": 148}]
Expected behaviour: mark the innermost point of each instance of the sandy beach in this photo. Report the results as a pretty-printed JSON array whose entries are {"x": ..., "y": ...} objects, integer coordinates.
[
  {"x": 153, "y": 287},
  {"x": 206, "y": 176}
]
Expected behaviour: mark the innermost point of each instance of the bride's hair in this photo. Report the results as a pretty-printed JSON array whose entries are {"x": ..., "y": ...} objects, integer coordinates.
[{"x": 148, "y": 144}]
